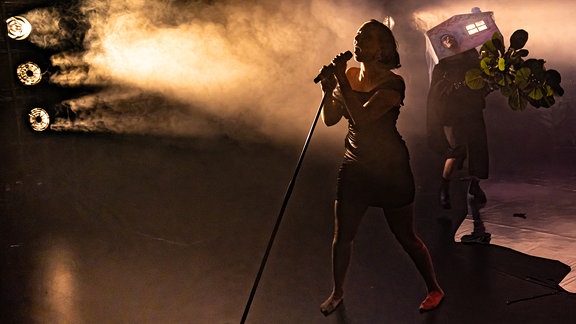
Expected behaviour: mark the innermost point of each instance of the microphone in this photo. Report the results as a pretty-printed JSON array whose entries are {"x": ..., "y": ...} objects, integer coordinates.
[{"x": 345, "y": 56}]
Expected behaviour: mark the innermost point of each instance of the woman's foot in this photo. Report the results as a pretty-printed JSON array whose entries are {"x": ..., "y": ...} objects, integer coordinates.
[
  {"x": 331, "y": 304},
  {"x": 432, "y": 301}
]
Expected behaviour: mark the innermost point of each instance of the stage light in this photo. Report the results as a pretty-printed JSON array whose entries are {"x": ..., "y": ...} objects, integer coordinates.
[
  {"x": 39, "y": 119},
  {"x": 29, "y": 73},
  {"x": 388, "y": 21},
  {"x": 18, "y": 27}
]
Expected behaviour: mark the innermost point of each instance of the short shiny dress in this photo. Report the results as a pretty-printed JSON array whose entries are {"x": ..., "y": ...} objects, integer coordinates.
[{"x": 376, "y": 168}]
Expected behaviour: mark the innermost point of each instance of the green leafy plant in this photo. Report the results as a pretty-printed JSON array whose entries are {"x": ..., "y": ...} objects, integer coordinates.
[{"x": 521, "y": 80}]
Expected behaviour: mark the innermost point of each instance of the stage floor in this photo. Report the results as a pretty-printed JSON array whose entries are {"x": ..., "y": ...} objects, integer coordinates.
[
  {"x": 533, "y": 216},
  {"x": 101, "y": 228}
]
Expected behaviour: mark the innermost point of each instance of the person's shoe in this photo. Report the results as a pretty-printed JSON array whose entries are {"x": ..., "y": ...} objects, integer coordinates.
[
  {"x": 483, "y": 238},
  {"x": 432, "y": 301},
  {"x": 330, "y": 305}
]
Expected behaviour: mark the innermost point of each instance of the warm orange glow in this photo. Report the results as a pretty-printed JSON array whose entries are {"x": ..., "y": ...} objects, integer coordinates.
[
  {"x": 46, "y": 31},
  {"x": 160, "y": 58},
  {"x": 244, "y": 62},
  {"x": 55, "y": 300}
]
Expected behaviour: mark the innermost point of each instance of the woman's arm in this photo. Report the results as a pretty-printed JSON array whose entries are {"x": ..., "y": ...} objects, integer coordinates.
[
  {"x": 380, "y": 103},
  {"x": 332, "y": 111}
]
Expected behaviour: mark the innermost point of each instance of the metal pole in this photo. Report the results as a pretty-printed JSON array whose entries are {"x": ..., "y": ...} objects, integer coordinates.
[{"x": 281, "y": 213}]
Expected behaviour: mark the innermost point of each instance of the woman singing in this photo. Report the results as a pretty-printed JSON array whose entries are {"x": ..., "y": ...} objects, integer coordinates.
[{"x": 375, "y": 170}]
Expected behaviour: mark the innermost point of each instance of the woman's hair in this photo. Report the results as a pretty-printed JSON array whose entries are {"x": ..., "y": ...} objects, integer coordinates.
[{"x": 388, "y": 45}]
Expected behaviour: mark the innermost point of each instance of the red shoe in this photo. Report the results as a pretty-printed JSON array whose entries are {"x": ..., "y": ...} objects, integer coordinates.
[{"x": 432, "y": 301}]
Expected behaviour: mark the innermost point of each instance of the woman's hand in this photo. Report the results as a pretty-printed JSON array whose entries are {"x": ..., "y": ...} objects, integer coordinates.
[
  {"x": 339, "y": 64},
  {"x": 328, "y": 82}
]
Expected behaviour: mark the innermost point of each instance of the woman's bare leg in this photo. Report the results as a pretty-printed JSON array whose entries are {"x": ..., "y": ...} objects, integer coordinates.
[
  {"x": 401, "y": 222},
  {"x": 347, "y": 219}
]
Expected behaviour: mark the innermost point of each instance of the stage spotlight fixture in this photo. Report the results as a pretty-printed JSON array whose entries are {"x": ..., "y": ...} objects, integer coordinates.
[
  {"x": 39, "y": 119},
  {"x": 388, "y": 21},
  {"x": 29, "y": 73},
  {"x": 18, "y": 27}
]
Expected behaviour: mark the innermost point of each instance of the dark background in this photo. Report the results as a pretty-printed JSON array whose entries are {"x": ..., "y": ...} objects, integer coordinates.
[{"x": 105, "y": 227}]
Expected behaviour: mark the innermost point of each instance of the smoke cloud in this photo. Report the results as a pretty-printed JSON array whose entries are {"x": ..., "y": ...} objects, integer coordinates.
[
  {"x": 247, "y": 64},
  {"x": 245, "y": 69}
]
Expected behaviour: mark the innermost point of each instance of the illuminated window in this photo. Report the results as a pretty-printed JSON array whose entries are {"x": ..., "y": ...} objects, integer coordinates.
[{"x": 476, "y": 27}]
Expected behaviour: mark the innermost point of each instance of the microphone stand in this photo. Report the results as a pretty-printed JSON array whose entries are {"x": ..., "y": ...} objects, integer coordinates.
[{"x": 281, "y": 213}]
